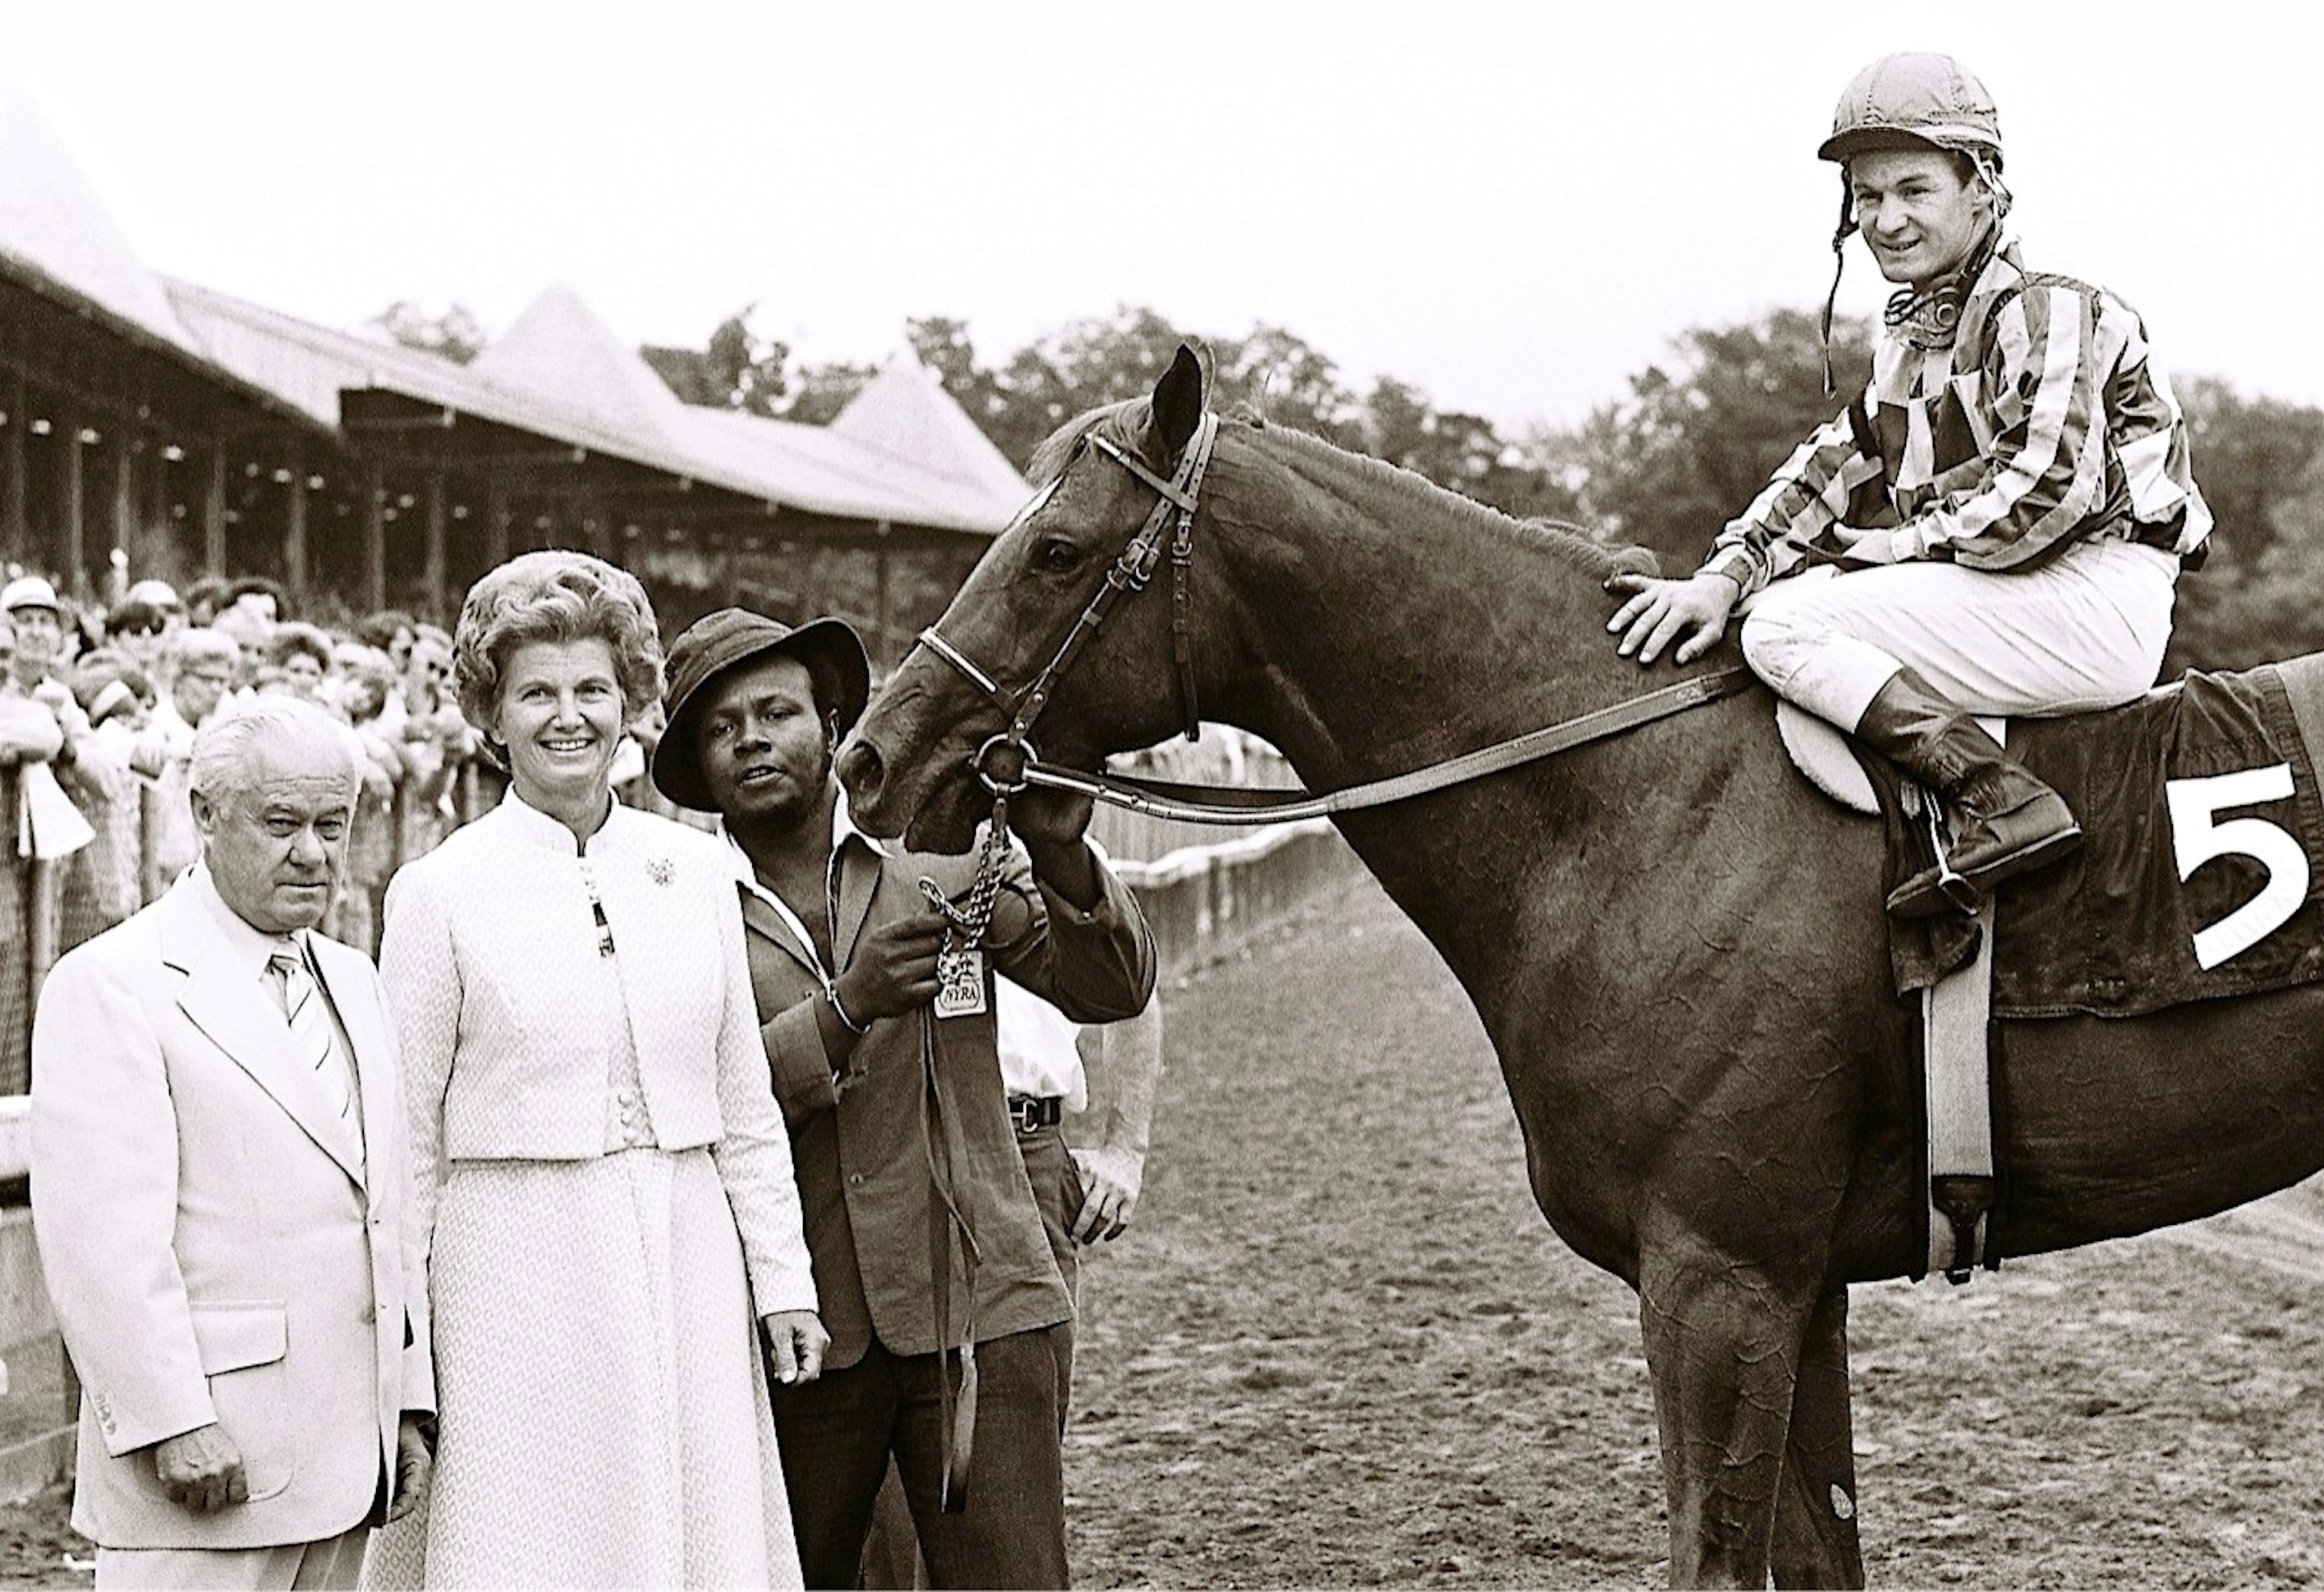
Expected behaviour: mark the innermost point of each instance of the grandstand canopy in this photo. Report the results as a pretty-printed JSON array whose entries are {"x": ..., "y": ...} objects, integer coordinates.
[{"x": 221, "y": 418}]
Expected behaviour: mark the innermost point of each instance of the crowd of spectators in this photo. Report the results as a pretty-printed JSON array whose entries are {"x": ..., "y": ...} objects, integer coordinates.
[{"x": 99, "y": 705}]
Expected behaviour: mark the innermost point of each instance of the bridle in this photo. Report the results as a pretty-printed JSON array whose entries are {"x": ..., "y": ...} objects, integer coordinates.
[{"x": 1008, "y": 762}]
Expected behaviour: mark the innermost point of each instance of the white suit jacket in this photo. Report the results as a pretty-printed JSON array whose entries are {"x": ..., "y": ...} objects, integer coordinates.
[{"x": 214, "y": 1245}]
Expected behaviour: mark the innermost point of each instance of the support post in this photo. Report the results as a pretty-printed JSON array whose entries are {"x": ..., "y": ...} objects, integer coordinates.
[
  {"x": 123, "y": 457},
  {"x": 497, "y": 515},
  {"x": 72, "y": 505},
  {"x": 214, "y": 510},
  {"x": 160, "y": 525},
  {"x": 432, "y": 578},
  {"x": 16, "y": 522},
  {"x": 374, "y": 537},
  {"x": 294, "y": 531}
]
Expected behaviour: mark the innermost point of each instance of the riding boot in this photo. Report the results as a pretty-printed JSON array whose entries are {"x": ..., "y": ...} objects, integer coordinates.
[{"x": 2004, "y": 821}]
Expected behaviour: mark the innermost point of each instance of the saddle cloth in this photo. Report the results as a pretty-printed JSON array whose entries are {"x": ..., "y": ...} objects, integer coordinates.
[{"x": 2202, "y": 851}]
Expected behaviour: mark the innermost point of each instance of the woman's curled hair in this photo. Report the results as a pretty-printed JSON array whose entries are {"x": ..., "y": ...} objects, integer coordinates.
[{"x": 554, "y": 596}]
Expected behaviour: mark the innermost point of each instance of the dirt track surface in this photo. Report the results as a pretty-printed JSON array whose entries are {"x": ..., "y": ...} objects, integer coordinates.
[{"x": 1340, "y": 1348}]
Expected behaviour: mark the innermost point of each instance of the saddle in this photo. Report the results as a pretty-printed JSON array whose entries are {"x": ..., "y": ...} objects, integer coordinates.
[{"x": 2203, "y": 829}]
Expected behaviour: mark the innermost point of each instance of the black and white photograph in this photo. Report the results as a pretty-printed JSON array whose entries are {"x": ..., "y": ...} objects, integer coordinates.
[{"x": 1192, "y": 795}]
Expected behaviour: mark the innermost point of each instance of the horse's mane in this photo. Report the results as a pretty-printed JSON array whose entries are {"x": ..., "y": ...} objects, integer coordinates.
[{"x": 1124, "y": 423}]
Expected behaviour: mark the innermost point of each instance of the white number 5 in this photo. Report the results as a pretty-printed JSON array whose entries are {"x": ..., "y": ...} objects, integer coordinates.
[{"x": 2195, "y": 839}]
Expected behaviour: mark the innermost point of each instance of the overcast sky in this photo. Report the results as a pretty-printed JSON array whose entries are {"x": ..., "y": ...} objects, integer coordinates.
[{"x": 1513, "y": 207}]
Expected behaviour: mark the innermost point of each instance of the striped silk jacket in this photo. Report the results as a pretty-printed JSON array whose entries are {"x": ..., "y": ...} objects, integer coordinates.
[{"x": 2040, "y": 422}]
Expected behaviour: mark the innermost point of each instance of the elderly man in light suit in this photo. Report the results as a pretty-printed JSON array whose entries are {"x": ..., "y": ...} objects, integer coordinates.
[{"x": 221, "y": 1195}]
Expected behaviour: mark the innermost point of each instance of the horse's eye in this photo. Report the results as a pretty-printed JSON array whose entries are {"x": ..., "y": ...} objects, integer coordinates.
[{"x": 1057, "y": 554}]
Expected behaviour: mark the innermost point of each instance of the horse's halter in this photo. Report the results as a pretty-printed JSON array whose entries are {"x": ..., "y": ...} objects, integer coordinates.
[{"x": 1002, "y": 760}]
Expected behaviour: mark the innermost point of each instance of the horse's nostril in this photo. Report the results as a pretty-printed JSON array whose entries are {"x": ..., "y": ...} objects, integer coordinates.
[{"x": 860, "y": 771}]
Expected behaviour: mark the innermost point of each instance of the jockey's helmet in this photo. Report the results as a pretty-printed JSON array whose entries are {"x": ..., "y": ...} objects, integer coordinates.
[{"x": 1916, "y": 100}]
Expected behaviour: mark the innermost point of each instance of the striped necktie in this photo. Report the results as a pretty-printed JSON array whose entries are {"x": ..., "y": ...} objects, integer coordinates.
[{"x": 311, "y": 1036}]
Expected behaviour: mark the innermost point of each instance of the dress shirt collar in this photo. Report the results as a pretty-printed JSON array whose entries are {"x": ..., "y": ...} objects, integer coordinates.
[
  {"x": 250, "y": 946},
  {"x": 533, "y": 825},
  {"x": 842, "y": 831}
]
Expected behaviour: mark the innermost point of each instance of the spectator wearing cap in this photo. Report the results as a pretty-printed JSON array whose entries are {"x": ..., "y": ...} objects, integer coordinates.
[
  {"x": 30, "y": 601},
  {"x": 30, "y": 604},
  {"x": 937, "y": 1283}
]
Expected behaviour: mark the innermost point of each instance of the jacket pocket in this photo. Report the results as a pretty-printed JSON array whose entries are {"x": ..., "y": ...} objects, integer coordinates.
[{"x": 243, "y": 1344}]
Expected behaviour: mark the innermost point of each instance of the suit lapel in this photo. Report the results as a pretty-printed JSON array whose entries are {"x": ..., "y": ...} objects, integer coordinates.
[
  {"x": 230, "y": 1009},
  {"x": 859, "y": 881},
  {"x": 765, "y": 922},
  {"x": 342, "y": 974}
]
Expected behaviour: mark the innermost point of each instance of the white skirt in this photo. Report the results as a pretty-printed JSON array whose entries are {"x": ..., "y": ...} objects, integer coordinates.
[{"x": 603, "y": 1408}]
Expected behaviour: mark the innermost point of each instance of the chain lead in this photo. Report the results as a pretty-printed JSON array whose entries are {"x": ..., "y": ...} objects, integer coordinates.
[{"x": 966, "y": 925}]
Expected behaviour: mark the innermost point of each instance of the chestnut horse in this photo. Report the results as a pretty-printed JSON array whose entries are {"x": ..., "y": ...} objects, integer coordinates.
[{"x": 1676, "y": 944}]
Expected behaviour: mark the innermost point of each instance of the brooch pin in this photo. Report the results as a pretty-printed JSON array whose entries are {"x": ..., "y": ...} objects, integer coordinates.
[{"x": 658, "y": 870}]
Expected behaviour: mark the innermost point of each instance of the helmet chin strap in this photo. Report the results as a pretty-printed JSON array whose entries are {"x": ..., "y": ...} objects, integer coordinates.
[{"x": 1838, "y": 265}]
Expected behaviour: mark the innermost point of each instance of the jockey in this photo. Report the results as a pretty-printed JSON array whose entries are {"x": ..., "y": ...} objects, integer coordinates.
[{"x": 1993, "y": 527}]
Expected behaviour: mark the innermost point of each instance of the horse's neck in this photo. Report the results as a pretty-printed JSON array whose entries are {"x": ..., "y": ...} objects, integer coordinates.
[
  {"x": 1402, "y": 625},
  {"x": 1399, "y": 631}
]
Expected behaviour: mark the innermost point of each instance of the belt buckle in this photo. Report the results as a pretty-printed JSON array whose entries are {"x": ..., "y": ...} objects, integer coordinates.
[{"x": 1025, "y": 1111}]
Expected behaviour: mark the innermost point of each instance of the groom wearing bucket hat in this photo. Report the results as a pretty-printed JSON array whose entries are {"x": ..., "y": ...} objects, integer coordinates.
[
  {"x": 1993, "y": 527},
  {"x": 939, "y": 1290}
]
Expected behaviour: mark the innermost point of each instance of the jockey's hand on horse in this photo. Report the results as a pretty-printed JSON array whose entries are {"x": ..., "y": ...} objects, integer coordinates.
[{"x": 1691, "y": 612}]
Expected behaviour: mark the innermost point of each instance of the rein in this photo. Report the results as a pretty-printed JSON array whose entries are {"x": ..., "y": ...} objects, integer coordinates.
[
  {"x": 1008, "y": 762},
  {"x": 1237, "y": 803}
]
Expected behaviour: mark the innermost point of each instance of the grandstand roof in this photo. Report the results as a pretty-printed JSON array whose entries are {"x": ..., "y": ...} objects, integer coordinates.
[
  {"x": 53, "y": 227},
  {"x": 903, "y": 453},
  {"x": 558, "y": 372}
]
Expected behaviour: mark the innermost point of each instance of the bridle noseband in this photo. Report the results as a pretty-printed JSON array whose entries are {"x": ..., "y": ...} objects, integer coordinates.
[{"x": 1003, "y": 760}]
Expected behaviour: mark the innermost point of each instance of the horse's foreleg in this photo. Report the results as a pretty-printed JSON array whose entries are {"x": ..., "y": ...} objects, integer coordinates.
[
  {"x": 1816, "y": 1542},
  {"x": 1722, "y": 1339}
]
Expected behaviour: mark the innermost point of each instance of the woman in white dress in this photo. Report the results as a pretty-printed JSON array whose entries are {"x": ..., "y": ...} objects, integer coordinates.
[{"x": 608, "y": 1176}]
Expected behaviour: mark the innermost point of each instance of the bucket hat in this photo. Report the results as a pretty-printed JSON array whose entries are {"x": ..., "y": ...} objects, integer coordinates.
[{"x": 726, "y": 639}]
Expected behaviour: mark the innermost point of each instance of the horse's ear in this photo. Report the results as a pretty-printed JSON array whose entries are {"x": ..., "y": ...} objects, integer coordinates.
[{"x": 1178, "y": 401}]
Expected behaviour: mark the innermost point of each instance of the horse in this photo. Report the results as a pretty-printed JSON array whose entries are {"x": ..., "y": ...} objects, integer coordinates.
[{"x": 1674, "y": 944}]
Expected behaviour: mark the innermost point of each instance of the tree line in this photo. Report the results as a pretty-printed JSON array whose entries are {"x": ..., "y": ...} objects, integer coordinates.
[{"x": 1663, "y": 465}]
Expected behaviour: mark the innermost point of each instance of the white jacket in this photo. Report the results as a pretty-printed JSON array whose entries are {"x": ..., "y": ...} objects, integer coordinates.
[{"x": 214, "y": 1248}]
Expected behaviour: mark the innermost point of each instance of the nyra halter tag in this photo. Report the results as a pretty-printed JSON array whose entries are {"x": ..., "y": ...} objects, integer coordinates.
[{"x": 960, "y": 984}]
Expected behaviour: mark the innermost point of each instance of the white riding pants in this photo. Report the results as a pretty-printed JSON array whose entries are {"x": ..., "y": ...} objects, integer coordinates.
[{"x": 2085, "y": 630}]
